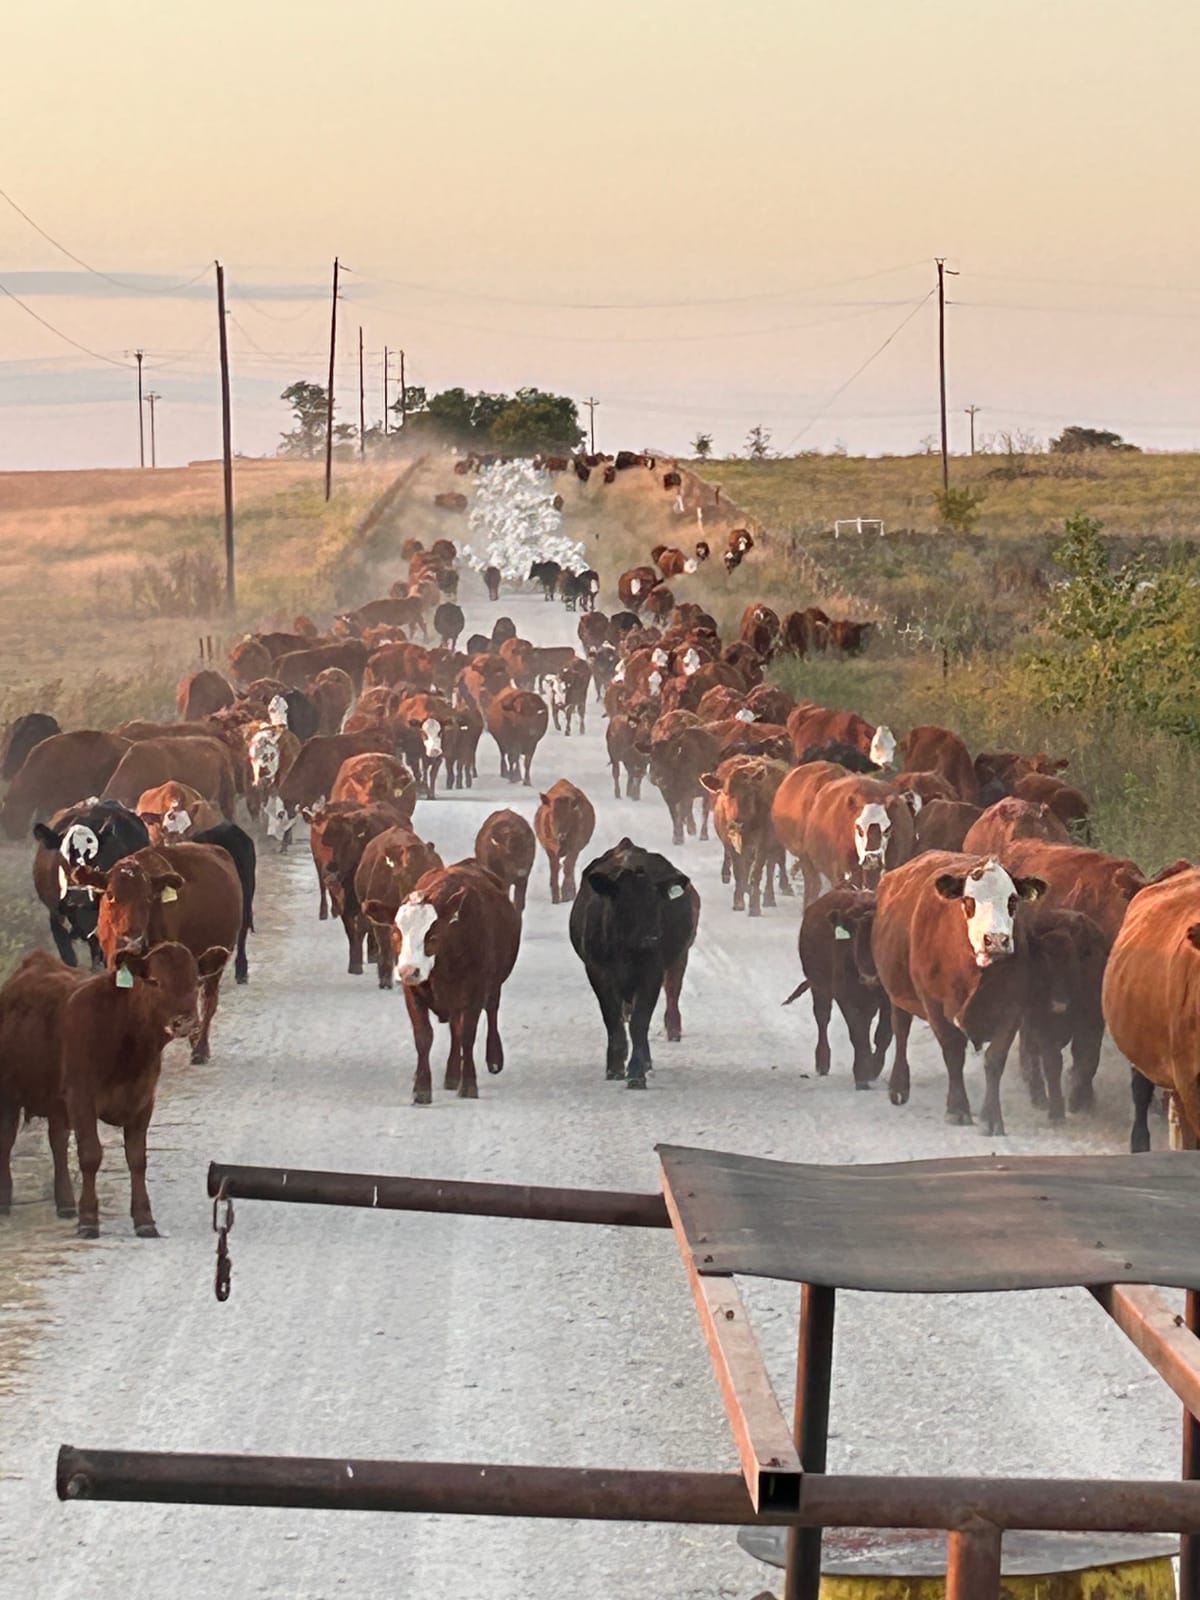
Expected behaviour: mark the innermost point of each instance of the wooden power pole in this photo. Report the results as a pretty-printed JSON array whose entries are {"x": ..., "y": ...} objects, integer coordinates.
[
  {"x": 362, "y": 405},
  {"x": 385, "y": 391},
  {"x": 151, "y": 398},
  {"x": 591, "y": 403},
  {"x": 942, "y": 269},
  {"x": 141, "y": 413},
  {"x": 970, "y": 411},
  {"x": 226, "y": 442},
  {"x": 403, "y": 393},
  {"x": 329, "y": 396}
]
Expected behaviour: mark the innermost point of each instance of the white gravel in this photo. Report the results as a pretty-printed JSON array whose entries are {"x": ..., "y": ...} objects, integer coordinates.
[{"x": 434, "y": 1337}]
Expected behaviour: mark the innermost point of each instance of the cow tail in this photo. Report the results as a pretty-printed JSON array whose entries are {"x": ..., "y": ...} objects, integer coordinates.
[{"x": 796, "y": 993}]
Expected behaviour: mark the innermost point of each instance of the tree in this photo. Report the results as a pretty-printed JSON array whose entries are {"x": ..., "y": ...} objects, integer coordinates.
[
  {"x": 758, "y": 443},
  {"x": 702, "y": 446},
  {"x": 533, "y": 421},
  {"x": 1075, "y": 439},
  {"x": 959, "y": 508},
  {"x": 310, "y": 404}
]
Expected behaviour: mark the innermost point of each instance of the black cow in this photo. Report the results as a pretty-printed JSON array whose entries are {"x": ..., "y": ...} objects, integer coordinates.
[
  {"x": 589, "y": 588},
  {"x": 19, "y": 739},
  {"x": 239, "y": 846},
  {"x": 632, "y": 924},
  {"x": 303, "y": 718},
  {"x": 570, "y": 589},
  {"x": 546, "y": 573},
  {"x": 95, "y": 833}
]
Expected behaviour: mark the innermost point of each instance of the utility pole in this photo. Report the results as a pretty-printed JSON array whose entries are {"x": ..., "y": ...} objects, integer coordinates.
[
  {"x": 141, "y": 416},
  {"x": 362, "y": 405},
  {"x": 942, "y": 269},
  {"x": 226, "y": 442},
  {"x": 591, "y": 404},
  {"x": 403, "y": 393},
  {"x": 329, "y": 397},
  {"x": 385, "y": 389},
  {"x": 970, "y": 411},
  {"x": 150, "y": 399}
]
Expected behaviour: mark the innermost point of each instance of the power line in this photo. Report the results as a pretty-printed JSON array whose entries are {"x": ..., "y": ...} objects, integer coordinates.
[{"x": 57, "y": 332}]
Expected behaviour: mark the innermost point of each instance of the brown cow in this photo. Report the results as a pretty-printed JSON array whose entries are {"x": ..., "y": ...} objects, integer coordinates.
[
  {"x": 202, "y": 693},
  {"x": 456, "y": 939},
  {"x": 1068, "y": 953},
  {"x": 811, "y": 725},
  {"x": 517, "y": 720},
  {"x": 332, "y": 693},
  {"x": 770, "y": 703},
  {"x": 932, "y": 749},
  {"x": 189, "y": 894},
  {"x": 482, "y": 677},
  {"x": 206, "y": 764},
  {"x": 759, "y": 622},
  {"x": 339, "y": 833},
  {"x": 828, "y": 931},
  {"x": 392, "y": 865},
  {"x": 680, "y": 749},
  {"x": 743, "y": 789},
  {"x": 848, "y": 638},
  {"x": 298, "y": 668},
  {"x": 926, "y": 786},
  {"x": 793, "y": 633},
  {"x": 1150, "y": 999},
  {"x": 719, "y": 703},
  {"x": 175, "y": 811},
  {"x": 1012, "y": 819},
  {"x": 634, "y": 585},
  {"x": 999, "y": 771},
  {"x": 310, "y": 780},
  {"x": 854, "y": 830},
  {"x": 376, "y": 779},
  {"x": 399, "y": 610},
  {"x": 672, "y": 563},
  {"x": 624, "y": 735},
  {"x": 450, "y": 500},
  {"x": 492, "y": 577},
  {"x": 569, "y": 694},
  {"x": 1078, "y": 879},
  {"x": 249, "y": 659},
  {"x": 564, "y": 824},
  {"x": 949, "y": 944},
  {"x": 738, "y": 737},
  {"x": 79, "y": 1049},
  {"x": 507, "y": 846},
  {"x": 1069, "y": 805},
  {"x": 58, "y": 772},
  {"x": 20, "y": 737},
  {"x": 946, "y": 825},
  {"x": 448, "y": 623}
]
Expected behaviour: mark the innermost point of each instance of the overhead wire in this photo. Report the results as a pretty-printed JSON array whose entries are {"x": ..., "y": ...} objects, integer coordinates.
[{"x": 58, "y": 333}]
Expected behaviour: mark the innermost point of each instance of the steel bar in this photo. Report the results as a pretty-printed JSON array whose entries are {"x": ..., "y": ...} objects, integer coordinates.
[
  {"x": 814, "y": 1375},
  {"x": 1084, "y": 1505},
  {"x": 973, "y": 1564},
  {"x": 1163, "y": 1337},
  {"x": 612, "y": 1207},
  {"x": 770, "y": 1463},
  {"x": 1189, "y": 1545}
]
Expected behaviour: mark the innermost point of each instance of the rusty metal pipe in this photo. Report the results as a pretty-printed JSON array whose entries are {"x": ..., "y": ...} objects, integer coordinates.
[
  {"x": 973, "y": 1562},
  {"x": 596, "y": 1494},
  {"x": 611, "y": 1207}
]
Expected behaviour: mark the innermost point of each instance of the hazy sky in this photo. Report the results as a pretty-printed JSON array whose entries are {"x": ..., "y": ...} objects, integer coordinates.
[{"x": 706, "y": 215}]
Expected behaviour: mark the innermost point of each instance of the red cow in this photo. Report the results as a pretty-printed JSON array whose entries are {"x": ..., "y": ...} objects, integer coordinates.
[
  {"x": 829, "y": 930},
  {"x": 517, "y": 720},
  {"x": 250, "y": 659},
  {"x": 201, "y": 693},
  {"x": 743, "y": 789},
  {"x": 298, "y": 668},
  {"x": 624, "y": 736},
  {"x": 1078, "y": 879},
  {"x": 1068, "y": 952},
  {"x": 507, "y": 846},
  {"x": 931, "y": 749},
  {"x": 1068, "y": 804},
  {"x": 332, "y": 693},
  {"x": 339, "y": 833},
  {"x": 634, "y": 586},
  {"x": 376, "y": 779},
  {"x": 205, "y": 764},
  {"x": 681, "y": 749},
  {"x": 946, "y": 825},
  {"x": 1011, "y": 819},
  {"x": 564, "y": 824},
  {"x": 392, "y": 865},
  {"x": 58, "y": 772}
]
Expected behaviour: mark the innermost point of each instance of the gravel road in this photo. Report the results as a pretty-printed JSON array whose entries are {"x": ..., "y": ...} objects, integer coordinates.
[{"x": 413, "y": 1336}]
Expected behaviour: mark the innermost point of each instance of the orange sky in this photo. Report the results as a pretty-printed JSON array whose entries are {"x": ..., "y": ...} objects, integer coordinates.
[{"x": 493, "y": 172}]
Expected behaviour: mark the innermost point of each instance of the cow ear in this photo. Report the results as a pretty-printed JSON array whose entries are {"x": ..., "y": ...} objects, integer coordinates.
[
  {"x": 47, "y": 836},
  {"x": 380, "y": 912},
  {"x": 151, "y": 818},
  {"x": 711, "y": 782},
  {"x": 950, "y": 885},
  {"x": 601, "y": 881},
  {"x": 673, "y": 887},
  {"x": 166, "y": 886},
  {"x": 212, "y": 961},
  {"x": 912, "y": 800},
  {"x": 1030, "y": 888},
  {"x": 132, "y": 962}
]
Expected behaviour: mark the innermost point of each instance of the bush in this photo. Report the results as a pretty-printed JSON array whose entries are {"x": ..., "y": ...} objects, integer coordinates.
[
  {"x": 190, "y": 583},
  {"x": 958, "y": 509}
]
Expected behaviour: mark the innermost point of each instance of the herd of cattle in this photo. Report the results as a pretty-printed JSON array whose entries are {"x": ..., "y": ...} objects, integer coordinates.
[{"x": 961, "y": 890}]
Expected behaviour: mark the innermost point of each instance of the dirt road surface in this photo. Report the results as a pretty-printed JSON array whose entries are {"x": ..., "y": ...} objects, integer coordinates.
[{"x": 473, "y": 1339}]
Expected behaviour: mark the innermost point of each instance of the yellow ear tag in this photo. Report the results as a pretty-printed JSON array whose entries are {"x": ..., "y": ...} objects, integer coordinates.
[
  {"x": 124, "y": 978},
  {"x": 168, "y": 895}
]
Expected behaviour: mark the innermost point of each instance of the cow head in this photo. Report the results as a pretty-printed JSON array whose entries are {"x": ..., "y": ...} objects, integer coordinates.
[
  {"x": 659, "y": 656},
  {"x": 989, "y": 899},
  {"x": 277, "y": 711},
  {"x": 279, "y": 823},
  {"x": 883, "y": 746},
  {"x": 78, "y": 846},
  {"x": 263, "y": 751},
  {"x": 654, "y": 684},
  {"x": 129, "y": 904},
  {"x": 639, "y": 889},
  {"x": 872, "y": 830},
  {"x": 690, "y": 661},
  {"x": 558, "y": 693},
  {"x": 415, "y": 937},
  {"x": 338, "y": 841},
  {"x": 169, "y": 979}
]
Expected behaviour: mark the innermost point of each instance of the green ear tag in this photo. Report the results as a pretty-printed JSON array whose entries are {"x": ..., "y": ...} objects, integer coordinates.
[
  {"x": 168, "y": 895},
  {"x": 124, "y": 978},
  {"x": 841, "y": 933}
]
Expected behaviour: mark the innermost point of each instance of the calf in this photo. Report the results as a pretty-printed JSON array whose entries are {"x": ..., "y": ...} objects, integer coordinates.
[
  {"x": 828, "y": 931},
  {"x": 949, "y": 945},
  {"x": 428, "y": 715},
  {"x": 507, "y": 845},
  {"x": 568, "y": 694},
  {"x": 743, "y": 789},
  {"x": 603, "y": 663},
  {"x": 392, "y": 865},
  {"x": 564, "y": 824},
  {"x": 310, "y": 779},
  {"x": 456, "y": 938},
  {"x": 97, "y": 833},
  {"x": 57, "y": 773},
  {"x": 632, "y": 925},
  {"x": 32, "y": 1005},
  {"x": 239, "y": 847},
  {"x": 187, "y": 894},
  {"x": 1068, "y": 953},
  {"x": 624, "y": 738},
  {"x": 338, "y": 835},
  {"x": 517, "y": 720},
  {"x": 681, "y": 749}
]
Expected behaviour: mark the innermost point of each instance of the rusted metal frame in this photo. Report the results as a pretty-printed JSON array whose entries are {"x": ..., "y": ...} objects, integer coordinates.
[
  {"x": 973, "y": 1562},
  {"x": 814, "y": 1378},
  {"x": 1089, "y": 1505},
  {"x": 606, "y": 1207},
  {"x": 770, "y": 1462},
  {"x": 1189, "y": 1544},
  {"x": 1162, "y": 1336}
]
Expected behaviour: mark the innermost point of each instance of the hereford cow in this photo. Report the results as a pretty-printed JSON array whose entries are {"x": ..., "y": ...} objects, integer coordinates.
[
  {"x": 743, "y": 788},
  {"x": 339, "y": 834},
  {"x": 19, "y": 739},
  {"x": 949, "y": 945},
  {"x": 205, "y": 764},
  {"x": 1011, "y": 819},
  {"x": 59, "y": 772},
  {"x": 517, "y": 720},
  {"x": 507, "y": 845},
  {"x": 392, "y": 865},
  {"x": 97, "y": 833},
  {"x": 828, "y": 931},
  {"x": 202, "y": 693},
  {"x": 842, "y": 827},
  {"x": 632, "y": 925},
  {"x": 187, "y": 893},
  {"x": 635, "y": 585},
  {"x": 564, "y": 824},
  {"x": 271, "y": 752},
  {"x": 456, "y": 938},
  {"x": 1068, "y": 954},
  {"x": 811, "y": 725},
  {"x": 568, "y": 694},
  {"x": 672, "y": 563},
  {"x": 1150, "y": 999},
  {"x": 1078, "y": 879},
  {"x": 931, "y": 749},
  {"x": 175, "y": 811},
  {"x": 428, "y": 715},
  {"x": 376, "y": 779},
  {"x": 81, "y": 1050}
]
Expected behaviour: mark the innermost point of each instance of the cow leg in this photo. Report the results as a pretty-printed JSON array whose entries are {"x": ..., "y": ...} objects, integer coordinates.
[
  {"x": 528, "y": 765},
  {"x": 822, "y": 1000},
  {"x": 1051, "y": 1062},
  {"x": 468, "y": 1024},
  {"x": 454, "y": 1060},
  {"x": 10, "y": 1121},
  {"x": 135, "y": 1159},
  {"x": 858, "y": 1024},
  {"x": 353, "y": 923},
  {"x": 97, "y": 954},
  {"x": 422, "y": 1027},
  {"x": 779, "y": 866},
  {"x": 210, "y": 989},
  {"x": 1032, "y": 1057},
  {"x": 613, "y": 1012},
  {"x": 616, "y": 778},
  {"x": 1143, "y": 1096},
  {"x": 520, "y": 889},
  {"x": 633, "y": 784},
  {"x": 898, "y": 1083},
  {"x": 738, "y": 863},
  {"x": 954, "y": 1055},
  {"x": 323, "y": 911},
  {"x": 727, "y": 867},
  {"x": 883, "y": 1038},
  {"x": 61, "y": 934},
  {"x": 385, "y": 957},
  {"x": 994, "y": 1058},
  {"x": 59, "y": 1135},
  {"x": 672, "y": 985},
  {"x": 1085, "y": 1059},
  {"x": 90, "y": 1153},
  {"x": 494, "y": 1049},
  {"x": 552, "y": 857},
  {"x": 644, "y": 1002},
  {"x": 582, "y": 710},
  {"x": 705, "y": 813},
  {"x": 763, "y": 875},
  {"x": 568, "y": 884},
  {"x": 241, "y": 966}
]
